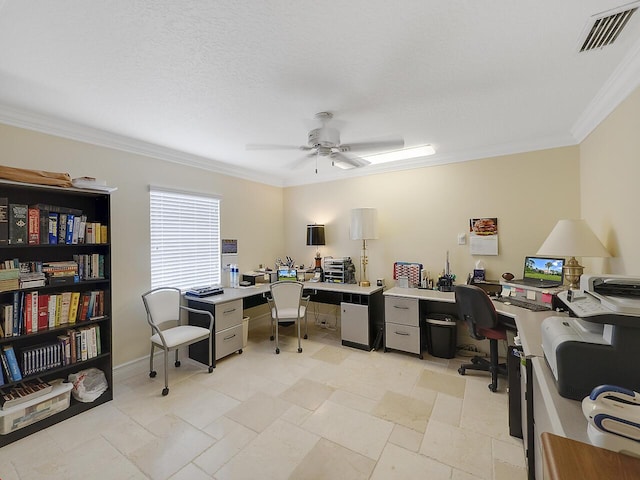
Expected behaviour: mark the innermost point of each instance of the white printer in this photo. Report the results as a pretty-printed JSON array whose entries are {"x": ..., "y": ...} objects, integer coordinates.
[{"x": 599, "y": 343}]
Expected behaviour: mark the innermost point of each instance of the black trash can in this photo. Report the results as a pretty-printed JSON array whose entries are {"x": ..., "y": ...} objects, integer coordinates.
[{"x": 441, "y": 335}]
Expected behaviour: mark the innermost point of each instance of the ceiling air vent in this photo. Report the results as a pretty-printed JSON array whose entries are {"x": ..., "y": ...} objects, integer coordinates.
[{"x": 605, "y": 29}]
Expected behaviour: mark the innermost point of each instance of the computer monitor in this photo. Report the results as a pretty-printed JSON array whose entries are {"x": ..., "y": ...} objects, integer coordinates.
[
  {"x": 543, "y": 269},
  {"x": 287, "y": 274}
]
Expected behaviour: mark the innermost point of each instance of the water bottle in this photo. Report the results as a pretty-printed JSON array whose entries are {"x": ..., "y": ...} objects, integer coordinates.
[{"x": 234, "y": 276}]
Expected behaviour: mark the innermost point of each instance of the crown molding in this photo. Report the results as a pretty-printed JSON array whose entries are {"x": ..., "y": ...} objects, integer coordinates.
[
  {"x": 74, "y": 131},
  {"x": 620, "y": 84}
]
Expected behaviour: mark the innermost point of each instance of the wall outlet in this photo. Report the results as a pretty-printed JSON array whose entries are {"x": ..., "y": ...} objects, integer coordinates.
[{"x": 462, "y": 239}]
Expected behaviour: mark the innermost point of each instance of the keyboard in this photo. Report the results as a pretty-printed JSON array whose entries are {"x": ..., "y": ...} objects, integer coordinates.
[{"x": 516, "y": 302}]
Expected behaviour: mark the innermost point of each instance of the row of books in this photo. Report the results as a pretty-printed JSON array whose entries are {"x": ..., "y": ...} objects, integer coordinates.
[
  {"x": 47, "y": 224},
  {"x": 31, "y": 312},
  {"x": 15, "y": 274},
  {"x": 76, "y": 345}
]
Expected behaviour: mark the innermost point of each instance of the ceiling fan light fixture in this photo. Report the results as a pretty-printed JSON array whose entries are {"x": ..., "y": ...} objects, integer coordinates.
[
  {"x": 404, "y": 154},
  {"x": 342, "y": 165}
]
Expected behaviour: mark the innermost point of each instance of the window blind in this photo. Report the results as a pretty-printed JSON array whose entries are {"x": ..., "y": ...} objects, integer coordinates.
[{"x": 185, "y": 239}]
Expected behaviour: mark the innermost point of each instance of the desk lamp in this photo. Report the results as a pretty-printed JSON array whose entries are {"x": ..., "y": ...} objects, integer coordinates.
[
  {"x": 364, "y": 226},
  {"x": 572, "y": 238},
  {"x": 315, "y": 236}
]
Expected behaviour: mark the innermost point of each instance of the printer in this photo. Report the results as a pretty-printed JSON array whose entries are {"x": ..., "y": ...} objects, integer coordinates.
[{"x": 599, "y": 343}]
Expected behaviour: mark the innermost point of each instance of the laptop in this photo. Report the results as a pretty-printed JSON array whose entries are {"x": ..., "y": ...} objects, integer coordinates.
[
  {"x": 542, "y": 272},
  {"x": 287, "y": 274}
]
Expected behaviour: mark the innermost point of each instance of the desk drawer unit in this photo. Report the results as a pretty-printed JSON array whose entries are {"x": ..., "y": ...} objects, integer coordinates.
[
  {"x": 228, "y": 314},
  {"x": 228, "y": 328},
  {"x": 228, "y": 341},
  {"x": 402, "y": 324},
  {"x": 401, "y": 310}
]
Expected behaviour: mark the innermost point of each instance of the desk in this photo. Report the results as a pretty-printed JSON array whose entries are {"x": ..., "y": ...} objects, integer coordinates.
[
  {"x": 566, "y": 459},
  {"x": 227, "y": 311},
  {"x": 544, "y": 408}
]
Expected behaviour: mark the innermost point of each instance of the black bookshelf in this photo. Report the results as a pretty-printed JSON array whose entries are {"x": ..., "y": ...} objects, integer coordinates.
[{"x": 96, "y": 206}]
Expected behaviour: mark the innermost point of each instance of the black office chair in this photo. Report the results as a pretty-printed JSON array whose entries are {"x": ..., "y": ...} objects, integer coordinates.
[{"x": 477, "y": 310}]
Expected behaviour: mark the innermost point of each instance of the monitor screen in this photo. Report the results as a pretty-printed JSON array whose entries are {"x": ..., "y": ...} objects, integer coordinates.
[
  {"x": 543, "y": 268},
  {"x": 287, "y": 274}
]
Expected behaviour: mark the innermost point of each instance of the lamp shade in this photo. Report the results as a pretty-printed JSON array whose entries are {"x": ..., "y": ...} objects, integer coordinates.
[
  {"x": 364, "y": 223},
  {"x": 573, "y": 238},
  {"x": 315, "y": 234}
]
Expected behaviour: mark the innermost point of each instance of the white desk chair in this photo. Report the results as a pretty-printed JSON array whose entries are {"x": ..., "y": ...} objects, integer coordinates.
[
  {"x": 287, "y": 306},
  {"x": 163, "y": 310}
]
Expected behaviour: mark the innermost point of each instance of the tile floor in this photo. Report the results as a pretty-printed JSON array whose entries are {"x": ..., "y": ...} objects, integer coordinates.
[{"x": 330, "y": 412}]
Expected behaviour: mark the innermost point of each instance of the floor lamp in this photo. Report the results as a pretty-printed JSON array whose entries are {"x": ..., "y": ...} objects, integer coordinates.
[{"x": 364, "y": 226}]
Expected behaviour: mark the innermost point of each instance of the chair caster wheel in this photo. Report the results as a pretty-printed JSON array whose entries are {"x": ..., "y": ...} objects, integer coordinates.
[
  {"x": 475, "y": 360},
  {"x": 271, "y": 338},
  {"x": 461, "y": 370},
  {"x": 210, "y": 369},
  {"x": 277, "y": 351},
  {"x": 421, "y": 357},
  {"x": 177, "y": 363},
  {"x": 240, "y": 352},
  {"x": 492, "y": 387},
  {"x": 165, "y": 392},
  {"x": 152, "y": 374},
  {"x": 385, "y": 350},
  {"x": 299, "y": 350},
  {"x": 305, "y": 336}
]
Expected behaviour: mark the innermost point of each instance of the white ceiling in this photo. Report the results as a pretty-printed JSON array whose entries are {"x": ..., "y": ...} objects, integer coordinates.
[{"x": 195, "y": 81}]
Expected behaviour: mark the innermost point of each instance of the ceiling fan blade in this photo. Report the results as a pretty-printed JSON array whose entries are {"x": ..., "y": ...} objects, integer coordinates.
[
  {"x": 391, "y": 144},
  {"x": 300, "y": 162},
  {"x": 267, "y": 146},
  {"x": 346, "y": 162}
]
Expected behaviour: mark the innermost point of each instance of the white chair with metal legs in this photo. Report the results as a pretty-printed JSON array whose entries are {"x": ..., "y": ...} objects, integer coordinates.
[
  {"x": 288, "y": 307},
  {"x": 167, "y": 332}
]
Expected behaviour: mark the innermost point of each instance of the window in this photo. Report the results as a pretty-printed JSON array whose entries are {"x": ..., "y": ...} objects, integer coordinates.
[{"x": 185, "y": 239}]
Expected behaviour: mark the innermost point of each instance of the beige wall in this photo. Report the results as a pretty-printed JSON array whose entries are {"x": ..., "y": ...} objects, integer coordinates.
[
  {"x": 610, "y": 180},
  {"x": 421, "y": 211},
  {"x": 250, "y": 212}
]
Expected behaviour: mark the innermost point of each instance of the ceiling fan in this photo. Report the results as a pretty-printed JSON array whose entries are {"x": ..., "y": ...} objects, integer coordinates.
[{"x": 324, "y": 141}]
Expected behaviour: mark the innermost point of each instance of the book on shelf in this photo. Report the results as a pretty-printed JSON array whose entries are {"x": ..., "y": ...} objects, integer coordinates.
[
  {"x": 58, "y": 310},
  {"x": 76, "y": 229},
  {"x": 82, "y": 229},
  {"x": 43, "y": 311},
  {"x": 17, "y": 312},
  {"x": 68, "y": 238},
  {"x": 5, "y": 367},
  {"x": 23, "y": 392},
  {"x": 65, "y": 343},
  {"x": 17, "y": 223},
  {"x": 12, "y": 361},
  {"x": 53, "y": 227},
  {"x": 53, "y": 301},
  {"x": 65, "y": 306},
  {"x": 33, "y": 225},
  {"x": 44, "y": 224},
  {"x": 62, "y": 228},
  {"x": 4, "y": 220},
  {"x": 2, "y": 382},
  {"x": 7, "y": 318},
  {"x": 73, "y": 309}
]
